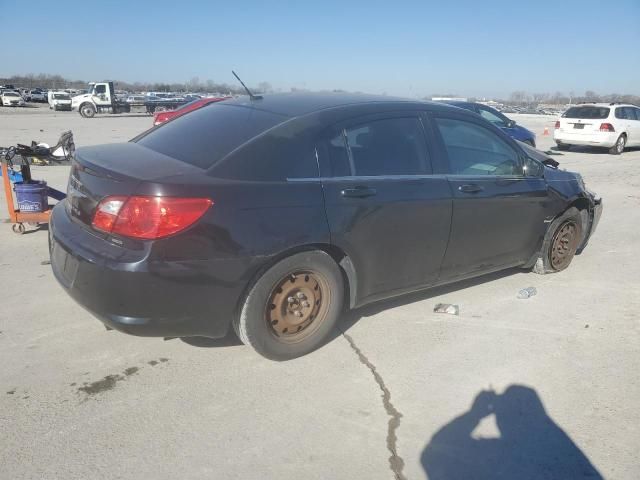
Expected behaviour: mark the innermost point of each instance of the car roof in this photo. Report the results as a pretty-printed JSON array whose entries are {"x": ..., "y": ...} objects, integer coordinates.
[
  {"x": 303, "y": 103},
  {"x": 604, "y": 104}
]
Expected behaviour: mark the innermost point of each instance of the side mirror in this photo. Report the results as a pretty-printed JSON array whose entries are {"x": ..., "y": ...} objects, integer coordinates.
[{"x": 511, "y": 123}]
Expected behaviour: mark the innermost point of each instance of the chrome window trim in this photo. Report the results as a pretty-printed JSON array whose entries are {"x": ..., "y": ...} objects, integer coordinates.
[{"x": 406, "y": 177}]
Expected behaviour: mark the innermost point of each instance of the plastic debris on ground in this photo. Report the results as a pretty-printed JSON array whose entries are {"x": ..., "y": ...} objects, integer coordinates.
[
  {"x": 527, "y": 292},
  {"x": 446, "y": 308}
]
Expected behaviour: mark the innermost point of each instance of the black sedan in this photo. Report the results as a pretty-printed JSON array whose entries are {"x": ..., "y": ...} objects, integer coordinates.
[{"x": 273, "y": 215}]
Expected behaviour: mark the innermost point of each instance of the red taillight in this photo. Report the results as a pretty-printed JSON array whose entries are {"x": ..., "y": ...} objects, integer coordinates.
[
  {"x": 557, "y": 124},
  {"x": 606, "y": 127},
  {"x": 148, "y": 217}
]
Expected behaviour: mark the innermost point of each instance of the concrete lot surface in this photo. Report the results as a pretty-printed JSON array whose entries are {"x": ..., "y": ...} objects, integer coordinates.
[{"x": 79, "y": 402}]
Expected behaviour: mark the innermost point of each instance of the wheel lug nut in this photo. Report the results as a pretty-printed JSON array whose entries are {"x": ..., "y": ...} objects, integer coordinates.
[
  {"x": 301, "y": 296},
  {"x": 305, "y": 304},
  {"x": 298, "y": 313},
  {"x": 291, "y": 299}
]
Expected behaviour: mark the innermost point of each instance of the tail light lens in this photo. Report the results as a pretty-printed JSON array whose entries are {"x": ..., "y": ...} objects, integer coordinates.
[
  {"x": 557, "y": 124},
  {"x": 606, "y": 127},
  {"x": 148, "y": 218},
  {"x": 160, "y": 118}
]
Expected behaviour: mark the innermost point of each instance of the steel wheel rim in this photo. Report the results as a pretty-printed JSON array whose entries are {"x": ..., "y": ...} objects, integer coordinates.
[
  {"x": 297, "y": 306},
  {"x": 563, "y": 247}
]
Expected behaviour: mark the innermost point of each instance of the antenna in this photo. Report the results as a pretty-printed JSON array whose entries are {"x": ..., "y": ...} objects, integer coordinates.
[{"x": 251, "y": 95}]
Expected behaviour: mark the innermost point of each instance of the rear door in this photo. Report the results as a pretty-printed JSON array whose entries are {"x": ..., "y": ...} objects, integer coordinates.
[
  {"x": 498, "y": 213},
  {"x": 385, "y": 207},
  {"x": 635, "y": 121},
  {"x": 626, "y": 117}
]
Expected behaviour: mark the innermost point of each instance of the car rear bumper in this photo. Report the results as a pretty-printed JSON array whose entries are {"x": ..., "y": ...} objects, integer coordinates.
[
  {"x": 596, "y": 139},
  {"x": 129, "y": 292}
]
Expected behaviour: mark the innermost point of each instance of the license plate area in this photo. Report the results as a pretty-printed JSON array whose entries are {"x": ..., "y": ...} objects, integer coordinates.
[
  {"x": 578, "y": 126},
  {"x": 66, "y": 265}
]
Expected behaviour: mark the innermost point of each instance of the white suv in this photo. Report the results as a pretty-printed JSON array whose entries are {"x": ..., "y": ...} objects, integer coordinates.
[{"x": 611, "y": 125}]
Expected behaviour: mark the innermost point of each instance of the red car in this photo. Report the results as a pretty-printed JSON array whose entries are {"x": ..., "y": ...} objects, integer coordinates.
[{"x": 161, "y": 117}]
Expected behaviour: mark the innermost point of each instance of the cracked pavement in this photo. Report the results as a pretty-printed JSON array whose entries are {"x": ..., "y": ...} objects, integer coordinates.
[{"x": 80, "y": 402}]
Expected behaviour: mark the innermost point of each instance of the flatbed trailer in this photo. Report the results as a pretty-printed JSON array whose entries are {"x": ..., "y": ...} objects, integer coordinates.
[{"x": 102, "y": 99}]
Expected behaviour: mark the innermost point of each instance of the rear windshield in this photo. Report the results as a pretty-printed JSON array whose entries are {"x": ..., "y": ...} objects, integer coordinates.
[
  {"x": 587, "y": 112},
  {"x": 208, "y": 134}
]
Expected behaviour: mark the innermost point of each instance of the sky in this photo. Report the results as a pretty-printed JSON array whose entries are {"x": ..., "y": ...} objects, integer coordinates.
[{"x": 406, "y": 48}]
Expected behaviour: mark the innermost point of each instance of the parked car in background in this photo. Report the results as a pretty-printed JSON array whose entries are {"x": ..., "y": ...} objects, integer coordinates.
[
  {"x": 161, "y": 117},
  {"x": 59, "y": 100},
  {"x": 38, "y": 96},
  {"x": 499, "y": 120},
  {"x": 133, "y": 99},
  {"x": 11, "y": 99},
  {"x": 610, "y": 125},
  {"x": 259, "y": 215}
]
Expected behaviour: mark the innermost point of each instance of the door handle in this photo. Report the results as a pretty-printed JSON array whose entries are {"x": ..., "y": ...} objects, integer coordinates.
[
  {"x": 358, "y": 192},
  {"x": 470, "y": 188}
]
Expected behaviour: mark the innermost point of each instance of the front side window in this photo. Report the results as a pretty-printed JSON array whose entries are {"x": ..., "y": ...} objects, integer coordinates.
[
  {"x": 475, "y": 150},
  {"x": 394, "y": 146},
  {"x": 491, "y": 117}
]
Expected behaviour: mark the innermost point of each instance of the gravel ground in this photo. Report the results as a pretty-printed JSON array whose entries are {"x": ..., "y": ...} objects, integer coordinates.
[{"x": 79, "y": 402}]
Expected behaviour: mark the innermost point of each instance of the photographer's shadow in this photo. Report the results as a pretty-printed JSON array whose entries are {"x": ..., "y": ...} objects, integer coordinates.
[{"x": 530, "y": 445}]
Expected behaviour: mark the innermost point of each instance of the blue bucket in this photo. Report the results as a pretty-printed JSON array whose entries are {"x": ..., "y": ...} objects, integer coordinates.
[{"x": 32, "y": 196}]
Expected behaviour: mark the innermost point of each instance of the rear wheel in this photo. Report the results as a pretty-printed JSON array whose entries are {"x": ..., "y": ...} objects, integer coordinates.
[
  {"x": 87, "y": 110},
  {"x": 618, "y": 148},
  {"x": 560, "y": 242},
  {"x": 293, "y": 307}
]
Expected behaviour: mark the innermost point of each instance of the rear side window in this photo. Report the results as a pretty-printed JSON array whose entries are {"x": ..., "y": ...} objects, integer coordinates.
[
  {"x": 208, "y": 134},
  {"x": 394, "y": 146},
  {"x": 627, "y": 113},
  {"x": 591, "y": 113},
  {"x": 474, "y": 150}
]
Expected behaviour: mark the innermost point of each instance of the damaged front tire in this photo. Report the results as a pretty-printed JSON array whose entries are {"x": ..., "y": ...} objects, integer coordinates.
[{"x": 560, "y": 243}]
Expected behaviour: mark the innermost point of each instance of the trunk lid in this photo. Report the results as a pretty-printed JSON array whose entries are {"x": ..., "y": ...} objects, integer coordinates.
[
  {"x": 116, "y": 169},
  {"x": 584, "y": 120}
]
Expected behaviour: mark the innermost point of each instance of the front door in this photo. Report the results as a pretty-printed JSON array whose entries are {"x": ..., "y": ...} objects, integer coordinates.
[
  {"x": 498, "y": 213},
  {"x": 384, "y": 207}
]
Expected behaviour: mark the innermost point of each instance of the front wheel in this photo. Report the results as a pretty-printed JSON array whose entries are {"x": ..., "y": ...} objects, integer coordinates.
[
  {"x": 87, "y": 110},
  {"x": 293, "y": 306},
  {"x": 618, "y": 148},
  {"x": 560, "y": 243}
]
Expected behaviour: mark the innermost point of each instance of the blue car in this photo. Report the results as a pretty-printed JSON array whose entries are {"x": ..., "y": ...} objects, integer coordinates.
[{"x": 504, "y": 123}]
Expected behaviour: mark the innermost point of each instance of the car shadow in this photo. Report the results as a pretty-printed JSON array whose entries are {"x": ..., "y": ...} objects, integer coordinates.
[
  {"x": 351, "y": 317},
  {"x": 530, "y": 444},
  {"x": 590, "y": 150},
  {"x": 230, "y": 340}
]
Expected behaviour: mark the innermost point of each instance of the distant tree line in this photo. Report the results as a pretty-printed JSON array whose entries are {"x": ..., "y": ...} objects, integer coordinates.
[
  {"x": 560, "y": 98},
  {"x": 43, "y": 80},
  {"x": 520, "y": 97}
]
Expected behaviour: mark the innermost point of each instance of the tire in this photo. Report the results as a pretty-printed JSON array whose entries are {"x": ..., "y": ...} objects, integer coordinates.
[
  {"x": 87, "y": 110},
  {"x": 618, "y": 148},
  {"x": 563, "y": 147},
  {"x": 304, "y": 292},
  {"x": 560, "y": 243}
]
